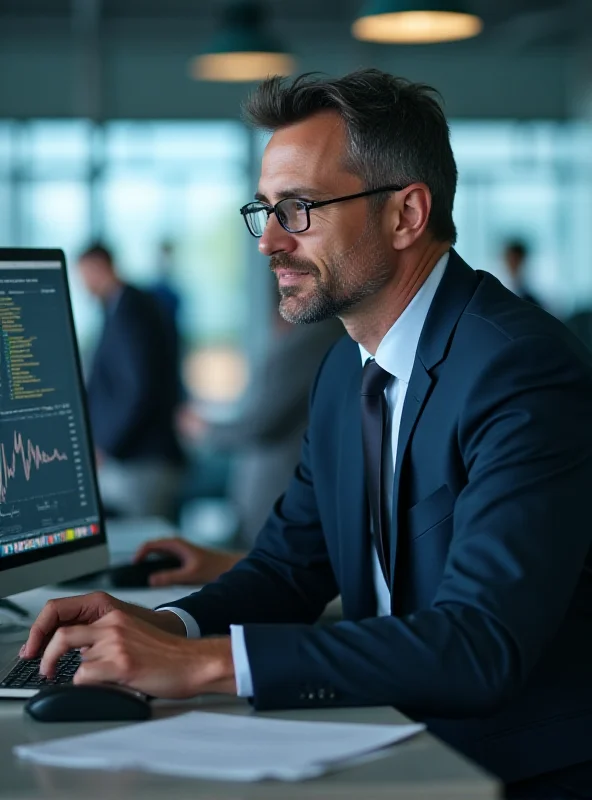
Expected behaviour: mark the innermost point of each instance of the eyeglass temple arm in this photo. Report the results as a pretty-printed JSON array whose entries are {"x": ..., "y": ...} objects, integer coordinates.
[{"x": 319, "y": 203}]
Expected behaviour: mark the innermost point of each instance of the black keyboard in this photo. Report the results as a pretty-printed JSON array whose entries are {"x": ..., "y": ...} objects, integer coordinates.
[{"x": 25, "y": 674}]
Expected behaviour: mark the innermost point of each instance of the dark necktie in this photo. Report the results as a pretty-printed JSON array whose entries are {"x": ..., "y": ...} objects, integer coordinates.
[{"x": 374, "y": 414}]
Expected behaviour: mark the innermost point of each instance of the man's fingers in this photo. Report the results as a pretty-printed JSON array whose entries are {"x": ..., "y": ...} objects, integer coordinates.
[
  {"x": 155, "y": 546},
  {"x": 176, "y": 546},
  {"x": 65, "y": 611},
  {"x": 54, "y": 614},
  {"x": 114, "y": 618},
  {"x": 63, "y": 640},
  {"x": 96, "y": 671},
  {"x": 168, "y": 577},
  {"x": 35, "y": 643}
]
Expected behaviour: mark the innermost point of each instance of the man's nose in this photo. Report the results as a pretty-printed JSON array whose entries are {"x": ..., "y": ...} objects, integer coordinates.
[{"x": 276, "y": 239}]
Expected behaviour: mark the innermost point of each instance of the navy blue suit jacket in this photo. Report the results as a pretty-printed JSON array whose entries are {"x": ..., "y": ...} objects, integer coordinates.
[
  {"x": 133, "y": 386},
  {"x": 490, "y": 640}
]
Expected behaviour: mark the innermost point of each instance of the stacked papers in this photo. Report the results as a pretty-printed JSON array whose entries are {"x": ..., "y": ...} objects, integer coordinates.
[{"x": 221, "y": 747}]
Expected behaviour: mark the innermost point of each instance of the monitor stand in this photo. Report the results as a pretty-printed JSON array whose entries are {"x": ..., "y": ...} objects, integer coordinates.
[
  {"x": 14, "y": 608},
  {"x": 11, "y": 630}
]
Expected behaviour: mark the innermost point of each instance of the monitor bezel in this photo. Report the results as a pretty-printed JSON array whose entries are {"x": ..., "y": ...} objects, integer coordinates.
[{"x": 36, "y": 568}]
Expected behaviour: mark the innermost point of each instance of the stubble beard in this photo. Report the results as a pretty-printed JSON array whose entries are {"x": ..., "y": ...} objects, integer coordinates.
[{"x": 352, "y": 276}]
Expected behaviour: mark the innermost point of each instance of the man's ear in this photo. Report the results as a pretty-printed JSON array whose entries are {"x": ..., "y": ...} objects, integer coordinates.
[{"x": 410, "y": 215}]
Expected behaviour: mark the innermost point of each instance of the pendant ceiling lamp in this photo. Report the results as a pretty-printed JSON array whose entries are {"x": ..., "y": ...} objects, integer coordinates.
[
  {"x": 242, "y": 49},
  {"x": 415, "y": 22}
]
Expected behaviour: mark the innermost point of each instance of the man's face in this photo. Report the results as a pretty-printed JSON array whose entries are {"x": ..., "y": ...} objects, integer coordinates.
[
  {"x": 96, "y": 275},
  {"x": 343, "y": 257},
  {"x": 514, "y": 261}
]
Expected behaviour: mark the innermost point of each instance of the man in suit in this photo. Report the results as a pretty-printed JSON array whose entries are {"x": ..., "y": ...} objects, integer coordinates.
[
  {"x": 132, "y": 394},
  {"x": 457, "y": 529}
]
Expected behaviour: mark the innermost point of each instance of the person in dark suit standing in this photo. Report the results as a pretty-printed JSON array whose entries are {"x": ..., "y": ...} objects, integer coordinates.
[
  {"x": 132, "y": 394},
  {"x": 515, "y": 258},
  {"x": 444, "y": 478}
]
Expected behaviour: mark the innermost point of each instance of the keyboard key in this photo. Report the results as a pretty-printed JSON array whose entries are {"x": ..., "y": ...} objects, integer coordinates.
[{"x": 25, "y": 674}]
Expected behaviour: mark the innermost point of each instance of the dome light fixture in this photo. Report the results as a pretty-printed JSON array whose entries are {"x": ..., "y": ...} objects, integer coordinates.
[
  {"x": 242, "y": 49},
  {"x": 415, "y": 22}
]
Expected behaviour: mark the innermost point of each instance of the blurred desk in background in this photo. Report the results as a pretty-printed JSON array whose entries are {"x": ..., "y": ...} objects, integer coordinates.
[{"x": 126, "y": 535}]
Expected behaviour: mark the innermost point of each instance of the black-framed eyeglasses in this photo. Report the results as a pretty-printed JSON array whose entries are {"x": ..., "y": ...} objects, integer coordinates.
[{"x": 293, "y": 213}]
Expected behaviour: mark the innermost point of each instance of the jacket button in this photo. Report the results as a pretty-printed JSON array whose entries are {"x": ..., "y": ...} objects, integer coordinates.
[
  {"x": 321, "y": 694},
  {"x": 331, "y": 695},
  {"x": 311, "y": 695}
]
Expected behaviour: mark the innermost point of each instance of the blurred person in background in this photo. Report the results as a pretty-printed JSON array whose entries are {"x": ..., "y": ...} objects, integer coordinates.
[
  {"x": 516, "y": 255},
  {"x": 168, "y": 298},
  {"x": 132, "y": 395},
  {"x": 164, "y": 289},
  {"x": 267, "y": 436}
]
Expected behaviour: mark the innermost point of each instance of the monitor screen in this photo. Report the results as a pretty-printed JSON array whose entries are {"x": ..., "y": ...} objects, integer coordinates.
[{"x": 49, "y": 504}]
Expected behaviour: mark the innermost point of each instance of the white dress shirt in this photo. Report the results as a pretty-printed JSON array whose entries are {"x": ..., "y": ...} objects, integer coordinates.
[{"x": 395, "y": 354}]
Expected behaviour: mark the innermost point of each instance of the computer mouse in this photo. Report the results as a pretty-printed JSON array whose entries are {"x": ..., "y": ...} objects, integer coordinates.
[
  {"x": 68, "y": 702},
  {"x": 132, "y": 576}
]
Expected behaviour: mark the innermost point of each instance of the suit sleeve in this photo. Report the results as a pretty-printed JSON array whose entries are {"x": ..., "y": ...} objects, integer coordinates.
[
  {"x": 287, "y": 577},
  {"x": 521, "y": 533}
]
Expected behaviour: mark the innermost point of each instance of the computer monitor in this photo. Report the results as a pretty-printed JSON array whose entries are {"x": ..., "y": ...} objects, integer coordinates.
[{"x": 51, "y": 525}]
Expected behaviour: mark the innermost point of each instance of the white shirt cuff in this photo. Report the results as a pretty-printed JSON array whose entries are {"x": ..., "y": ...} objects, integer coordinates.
[
  {"x": 191, "y": 627},
  {"x": 242, "y": 670}
]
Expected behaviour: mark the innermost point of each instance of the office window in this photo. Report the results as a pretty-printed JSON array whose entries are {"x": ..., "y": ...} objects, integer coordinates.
[
  {"x": 139, "y": 183},
  {"x": 531, "y": 181},
  {"x": 55, "y": 148},
  {"x": 135, "y": 185},
  {"x": 5, "y": 209},
  {"x": 183, "y": 183},
  {"x": 5, "y": 148}
]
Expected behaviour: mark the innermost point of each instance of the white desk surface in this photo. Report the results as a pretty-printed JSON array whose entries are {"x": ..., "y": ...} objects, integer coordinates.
[{"x": 419, "y": 769}]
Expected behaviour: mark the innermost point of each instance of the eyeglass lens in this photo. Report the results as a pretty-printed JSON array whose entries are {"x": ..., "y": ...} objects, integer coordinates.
[{"x": 290, "y": 212}]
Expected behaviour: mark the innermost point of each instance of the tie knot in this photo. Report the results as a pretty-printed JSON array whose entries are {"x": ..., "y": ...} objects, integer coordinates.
[{"x": 374, "y": 378}]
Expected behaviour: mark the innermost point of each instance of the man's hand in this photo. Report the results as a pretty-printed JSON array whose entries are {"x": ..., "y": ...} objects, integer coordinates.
[
  {"x": 120, "y": 648},
  {"x": 89, "y": 608},
  {"x": 199, "y": 565}
]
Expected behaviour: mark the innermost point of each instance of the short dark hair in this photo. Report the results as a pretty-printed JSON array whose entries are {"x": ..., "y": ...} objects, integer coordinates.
[
  {"x": 397, "y": 130},
  {"x": 518, "y": 248},
  {"x": 98, "y": 250}
]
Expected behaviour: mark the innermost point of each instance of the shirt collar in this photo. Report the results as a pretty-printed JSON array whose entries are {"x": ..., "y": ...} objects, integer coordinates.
[{"x": 396, "y": 352}]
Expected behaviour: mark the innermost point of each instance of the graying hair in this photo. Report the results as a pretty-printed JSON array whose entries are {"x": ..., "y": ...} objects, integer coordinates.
[{"x": 397, "y": 131}]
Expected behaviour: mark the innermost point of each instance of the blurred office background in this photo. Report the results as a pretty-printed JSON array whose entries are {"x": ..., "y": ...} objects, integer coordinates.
[{"x": 104, "y": 134}]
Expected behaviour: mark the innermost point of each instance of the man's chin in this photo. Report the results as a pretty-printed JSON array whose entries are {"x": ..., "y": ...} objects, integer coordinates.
[
  {"x": 302, "y": 310},
  {"x": 291, "y": 307}
]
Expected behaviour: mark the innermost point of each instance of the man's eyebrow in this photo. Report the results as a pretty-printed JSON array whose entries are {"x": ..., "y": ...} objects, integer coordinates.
[{"x": 305, "y": 192}]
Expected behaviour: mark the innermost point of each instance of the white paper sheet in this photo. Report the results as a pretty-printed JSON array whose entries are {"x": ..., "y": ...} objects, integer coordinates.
[{"x": 221, "y": 746}]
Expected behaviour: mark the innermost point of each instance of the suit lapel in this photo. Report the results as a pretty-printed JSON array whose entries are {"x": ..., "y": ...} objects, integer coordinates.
[
  {"x": 415, "y": 399},
  {"x": 354, "y": 534},
  {"x": 456, "y": 288}
]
